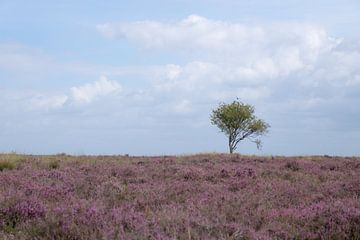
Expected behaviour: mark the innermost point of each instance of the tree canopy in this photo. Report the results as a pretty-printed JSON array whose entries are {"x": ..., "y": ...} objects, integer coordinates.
[{"x": 238, "y": 122}]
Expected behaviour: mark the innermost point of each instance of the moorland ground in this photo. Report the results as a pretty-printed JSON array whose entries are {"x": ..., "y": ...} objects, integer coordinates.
[{"x": 205, "y": 196}]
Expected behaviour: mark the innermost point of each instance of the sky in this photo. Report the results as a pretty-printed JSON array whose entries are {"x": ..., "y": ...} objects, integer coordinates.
[{"x": 142, "y": 77}]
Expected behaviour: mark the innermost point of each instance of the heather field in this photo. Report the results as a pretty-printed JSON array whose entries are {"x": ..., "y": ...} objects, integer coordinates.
[{"x": 206, "y": 196}]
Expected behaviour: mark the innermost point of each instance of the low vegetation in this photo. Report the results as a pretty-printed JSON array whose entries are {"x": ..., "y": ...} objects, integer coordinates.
[
  {"x": 190, "y": 197},
  {"x": 4, "y": 165}
]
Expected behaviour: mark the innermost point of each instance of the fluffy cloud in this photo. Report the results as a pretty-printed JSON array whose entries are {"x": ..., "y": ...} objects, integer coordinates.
[
  {"x": 80, "y": 95},
  {"x": 91, "y": 91},
  {"x": 283, "y": 41},
  {"x": 229, "y": 57},
  {"x": 295, "y": 73}
]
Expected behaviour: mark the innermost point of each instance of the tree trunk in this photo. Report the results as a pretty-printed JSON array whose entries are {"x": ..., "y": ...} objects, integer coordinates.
[{"x": 231, "y": 148}]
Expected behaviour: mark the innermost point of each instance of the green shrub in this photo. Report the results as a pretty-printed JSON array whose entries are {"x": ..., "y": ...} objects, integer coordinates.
[
  {"x": 293, "y": 166},
  {"x": 54, "y": 164},
  {"x": 6, "y": 165}
]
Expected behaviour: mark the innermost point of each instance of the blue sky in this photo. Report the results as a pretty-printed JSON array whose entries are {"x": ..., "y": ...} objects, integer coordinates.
[{"x": 141, "y": 77}]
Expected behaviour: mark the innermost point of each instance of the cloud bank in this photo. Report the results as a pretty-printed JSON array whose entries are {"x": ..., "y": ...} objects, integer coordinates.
[
  {"x": 283, "y": 67},
  {"x": 224, "y": 54}
]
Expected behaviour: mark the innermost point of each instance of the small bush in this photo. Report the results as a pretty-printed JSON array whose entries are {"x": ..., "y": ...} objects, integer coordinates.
[
  {"x": 54, "y": 164},
  {"x": 293, "y": 166},
  {"x": 6, "y": 165}
]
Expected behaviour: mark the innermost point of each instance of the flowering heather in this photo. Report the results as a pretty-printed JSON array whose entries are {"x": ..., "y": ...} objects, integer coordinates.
[{"x": 190, "y": 197}]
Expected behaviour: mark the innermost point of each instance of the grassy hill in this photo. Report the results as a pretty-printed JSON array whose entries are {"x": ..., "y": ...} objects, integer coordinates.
[{"x": 205, "y": 196}]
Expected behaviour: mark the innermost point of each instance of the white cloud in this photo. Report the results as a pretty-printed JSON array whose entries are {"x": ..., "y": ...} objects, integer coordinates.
[
  {"x": 228, "y": 56},
  {"x": 289, "y": 67},
  {"x": 48, "y": 103},
  {"x": 192, "y": 32},
  {"x": 91, "y": 91},
  {"x": 79, "y": 95},
  {"x": 199, "y": 33}
]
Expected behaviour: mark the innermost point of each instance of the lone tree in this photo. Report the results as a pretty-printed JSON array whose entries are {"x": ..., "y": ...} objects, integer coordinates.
[{"x": 237, "y": 121}]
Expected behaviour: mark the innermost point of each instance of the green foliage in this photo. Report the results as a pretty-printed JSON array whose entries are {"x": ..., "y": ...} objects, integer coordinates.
[
  {"x": 54, "y": 164},
  {"x": 238, "y": 122},
  {"x": 7, "y": 165}
]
